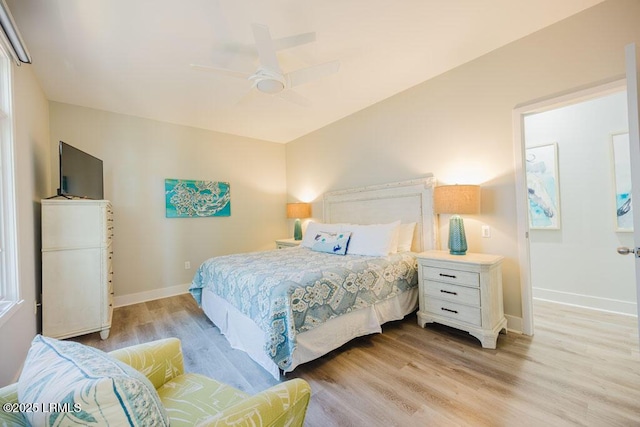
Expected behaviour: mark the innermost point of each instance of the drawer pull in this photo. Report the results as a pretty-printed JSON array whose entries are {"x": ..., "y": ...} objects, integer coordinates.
[
  {"x": 448, "y": 292},
  {"x": 447, "y": 275},
  {"x": 446, "y": 309}
]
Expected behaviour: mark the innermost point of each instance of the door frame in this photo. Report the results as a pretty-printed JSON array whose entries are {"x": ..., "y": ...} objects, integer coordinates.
[{"x": 522, "y": 210}]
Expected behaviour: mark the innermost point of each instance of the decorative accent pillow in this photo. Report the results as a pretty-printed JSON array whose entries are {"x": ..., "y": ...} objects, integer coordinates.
[
  {"x": 374, "y": 240},
  {"x": 405, "y": 236},
  {"x": 332, "y": 242},
  {"x": 313, "y": 228},
  {"x": 89, "y": 386}
]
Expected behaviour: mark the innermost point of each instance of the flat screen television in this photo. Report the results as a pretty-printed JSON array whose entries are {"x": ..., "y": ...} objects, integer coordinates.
[{"x": 80, "y": 174}]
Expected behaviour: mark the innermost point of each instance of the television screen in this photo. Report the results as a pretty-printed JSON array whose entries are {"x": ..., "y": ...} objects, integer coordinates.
[{"x": 80, "y": 174}]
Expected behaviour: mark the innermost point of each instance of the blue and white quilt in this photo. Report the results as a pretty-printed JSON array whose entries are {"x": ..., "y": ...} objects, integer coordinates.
[{"x": 289, "y": 291}]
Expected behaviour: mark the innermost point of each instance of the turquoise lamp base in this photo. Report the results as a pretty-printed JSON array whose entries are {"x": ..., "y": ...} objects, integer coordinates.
[
  {"x": 457, "y": 238},
  {"x": 297, "y": 230}
]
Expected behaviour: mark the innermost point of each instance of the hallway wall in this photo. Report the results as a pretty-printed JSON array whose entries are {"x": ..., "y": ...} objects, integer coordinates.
[{"x": 577, "y": 263}]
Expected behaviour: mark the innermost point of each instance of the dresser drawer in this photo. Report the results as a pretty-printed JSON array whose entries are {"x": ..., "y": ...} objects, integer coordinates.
[
  {"x": 451, "y": 276},
  {"x": 454, "y": 293},
  {"x": 451, "y": 310}
]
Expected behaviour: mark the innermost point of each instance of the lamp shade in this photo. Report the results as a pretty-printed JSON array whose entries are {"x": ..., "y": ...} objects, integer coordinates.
[
  {"x": 298, "y": 210},
  {"x": 456, "y": 199}
]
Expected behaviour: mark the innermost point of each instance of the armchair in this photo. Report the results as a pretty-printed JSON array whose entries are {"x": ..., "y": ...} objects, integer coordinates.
[{"x": 193, "y": 399}]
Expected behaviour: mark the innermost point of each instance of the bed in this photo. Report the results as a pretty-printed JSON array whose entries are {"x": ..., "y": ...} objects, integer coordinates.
[{"x": 289, "y": 306}]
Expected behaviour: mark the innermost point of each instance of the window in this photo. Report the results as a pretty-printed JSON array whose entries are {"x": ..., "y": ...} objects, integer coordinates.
[{"x": 9, "y": 289}]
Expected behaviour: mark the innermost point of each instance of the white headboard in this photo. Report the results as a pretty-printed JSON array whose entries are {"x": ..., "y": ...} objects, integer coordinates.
[{"x": 407, "y": 201}]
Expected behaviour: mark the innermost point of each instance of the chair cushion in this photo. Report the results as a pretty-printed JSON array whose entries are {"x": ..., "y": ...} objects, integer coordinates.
[
  {"x": 283, "y": 405},
  {"x": 192, "y": 398},
  {"x": 9, "y": 394},
  {"x": 159, "y": 361},
  {"x": 92, "y": 387}
]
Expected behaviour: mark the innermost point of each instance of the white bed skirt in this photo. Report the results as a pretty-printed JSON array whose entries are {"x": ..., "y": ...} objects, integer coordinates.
[{"x": 243, "y": 334}]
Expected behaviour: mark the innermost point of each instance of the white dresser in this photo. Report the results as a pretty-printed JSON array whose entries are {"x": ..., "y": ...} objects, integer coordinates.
[
  {"x": 462, "y": 291},
  {"x": 77, "y": 272}
]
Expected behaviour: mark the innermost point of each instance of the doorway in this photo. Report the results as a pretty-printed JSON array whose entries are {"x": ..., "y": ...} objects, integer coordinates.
[{"x": 568, "y": 254}]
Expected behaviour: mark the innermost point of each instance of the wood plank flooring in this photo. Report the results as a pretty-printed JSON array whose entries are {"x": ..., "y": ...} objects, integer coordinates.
[{"x": 582, "y": 367}]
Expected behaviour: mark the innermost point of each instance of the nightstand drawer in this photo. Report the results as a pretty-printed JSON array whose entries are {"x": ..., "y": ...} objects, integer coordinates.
[
  {"x": 452, "y": 276},
  {"x": 462, "y": 313},
  {"x": 462, "y": 291},
  {"x": 454, "y": 293}
]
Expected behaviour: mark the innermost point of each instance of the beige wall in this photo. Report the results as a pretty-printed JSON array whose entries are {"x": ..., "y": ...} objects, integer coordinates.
[
  {"x": 31, "y": 161},
  {"x": 458, "y": 126},
  {"x": 138, "y": 154}
]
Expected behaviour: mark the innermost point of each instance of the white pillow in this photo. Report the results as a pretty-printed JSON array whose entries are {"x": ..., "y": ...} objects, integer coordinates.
[
  {"x": 373, "y": 240},
  {"x": 332, "y": 243},
  {"x": 97, "y": 389},
  {"x": 314, "y": 228},
  {"x": 405, "y": 236}
]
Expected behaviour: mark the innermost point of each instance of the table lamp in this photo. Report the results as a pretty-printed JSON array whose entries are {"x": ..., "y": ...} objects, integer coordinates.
[
  {"x": 298, "y": 211},
  {"x": 456, "y": 200}
]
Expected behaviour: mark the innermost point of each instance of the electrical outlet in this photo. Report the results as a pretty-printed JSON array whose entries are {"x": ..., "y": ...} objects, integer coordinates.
[
  {"x": 486, "y": 231},
  {"x": 187, "y": 265}
]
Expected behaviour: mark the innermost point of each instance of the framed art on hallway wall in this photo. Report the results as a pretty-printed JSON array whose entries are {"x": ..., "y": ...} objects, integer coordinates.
[
  {"x": 543, "y": 188},
  {"x": 621, "y": 165}
]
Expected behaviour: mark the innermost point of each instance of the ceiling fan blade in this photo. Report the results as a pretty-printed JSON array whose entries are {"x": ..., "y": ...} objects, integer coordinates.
[
  {"x": 249, "y": 98},
  {"x": 223, "y": 71},
  {"x": 293, "y": 41},
  {"x": 305, "y": 75},
  {"x": 236, "y": 48},
  {"x": 294, "y": 97},
  {"x": 232, "y": 48},
  {"x": 266, "y": 50}
]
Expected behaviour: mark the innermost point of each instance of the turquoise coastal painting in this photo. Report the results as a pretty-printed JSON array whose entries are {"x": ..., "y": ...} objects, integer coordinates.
[
  {"x": 191, "y": 199},
  {"x": 543, "y": 187},
  {"x": 622, "y": 182}
]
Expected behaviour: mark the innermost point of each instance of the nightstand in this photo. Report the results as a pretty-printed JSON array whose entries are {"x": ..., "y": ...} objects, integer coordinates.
[
  {"x": 287, "y": 243},
  {"x": 462, "y": 291}
]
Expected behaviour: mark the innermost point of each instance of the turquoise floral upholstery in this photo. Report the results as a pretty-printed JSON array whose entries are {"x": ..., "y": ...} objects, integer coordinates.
[{"x": 192, "y": 399}]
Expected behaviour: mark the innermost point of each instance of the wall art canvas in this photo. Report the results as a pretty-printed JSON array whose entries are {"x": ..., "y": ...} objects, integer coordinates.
[
  {"x": 622, "y": 181},
  {"x": 543, "y": 187},
  {"x": 190, "y": 199}
]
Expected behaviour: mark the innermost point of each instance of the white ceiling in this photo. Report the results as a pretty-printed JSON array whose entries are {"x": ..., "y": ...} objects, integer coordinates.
[{"x": 133, "y": 56}]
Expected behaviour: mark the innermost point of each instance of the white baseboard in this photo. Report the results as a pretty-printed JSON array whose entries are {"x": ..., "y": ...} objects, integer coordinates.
[
  {"x": 588, "y": 301},
  {"x": 514, "y": 324},
  {"x": 129, "y": 299}
]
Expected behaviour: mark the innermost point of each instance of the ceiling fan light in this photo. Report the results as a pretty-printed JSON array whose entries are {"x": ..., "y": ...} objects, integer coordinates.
[{"x": 270, "y": 86}]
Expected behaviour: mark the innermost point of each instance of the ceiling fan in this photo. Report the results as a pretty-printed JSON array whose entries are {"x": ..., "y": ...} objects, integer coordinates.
[{"x": 269, "y": 78}]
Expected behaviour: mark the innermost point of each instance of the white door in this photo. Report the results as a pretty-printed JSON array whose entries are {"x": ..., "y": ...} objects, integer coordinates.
[{"x": 631, "y": 55}]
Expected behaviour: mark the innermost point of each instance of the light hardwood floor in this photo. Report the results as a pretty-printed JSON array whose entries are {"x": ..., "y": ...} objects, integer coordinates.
[{"x": 581, "y": 368}]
